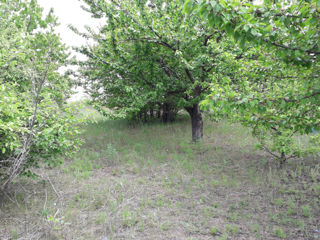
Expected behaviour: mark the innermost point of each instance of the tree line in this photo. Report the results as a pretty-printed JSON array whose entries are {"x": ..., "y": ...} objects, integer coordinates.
[
  {"x": 253, "y": 63},
  {"x": 257, "y": 64}
]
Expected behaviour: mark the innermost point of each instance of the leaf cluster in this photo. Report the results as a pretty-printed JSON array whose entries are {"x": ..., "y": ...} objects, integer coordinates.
[{"x": 35, "y": 123}]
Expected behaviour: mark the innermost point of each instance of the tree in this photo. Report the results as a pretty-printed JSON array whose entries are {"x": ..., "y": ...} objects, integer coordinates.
[
  {"x": 149, "y": 52},
  {"x": 34, "y": 122},
  {"x": 291, "y": 27},
  {"x": 276, "y": 100},
  {"x": 276, "y": 97}
]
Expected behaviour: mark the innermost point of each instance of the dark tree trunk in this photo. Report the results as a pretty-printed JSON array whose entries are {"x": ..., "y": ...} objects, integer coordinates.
[
  {"x": 159, "y": 111},
  {"x": 283, "y": 159},
  {"x": 134, "y": 116},
  {"x": 165, "y": 113},
  {"x": 145, "y": 116},
  {"x": 171, "y": 114},
  {"x": 196, "y": 122},
  {"x": 151, "y": 112}
]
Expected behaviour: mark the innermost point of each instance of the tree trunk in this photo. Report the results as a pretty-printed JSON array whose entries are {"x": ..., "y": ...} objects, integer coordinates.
[
  {"x": 134, "y": 116},
  {"x": 145, "y": 116},
  {"x": 159, "y": 111},
  {"x": 196, "y": 122},
  {"x": 283, "y": 159},
  {"x": 151, "y": 113},
  {"x": 165, "y": 113}
]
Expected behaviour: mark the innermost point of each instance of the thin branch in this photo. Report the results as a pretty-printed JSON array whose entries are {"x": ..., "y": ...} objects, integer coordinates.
[{"x": 310, "y": 51}]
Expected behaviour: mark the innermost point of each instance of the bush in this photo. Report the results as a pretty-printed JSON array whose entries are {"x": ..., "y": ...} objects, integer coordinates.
[{"x": 35, "y": 123}]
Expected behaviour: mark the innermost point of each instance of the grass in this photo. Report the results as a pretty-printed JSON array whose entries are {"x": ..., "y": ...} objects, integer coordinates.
[{"x": 134, "y": 181}]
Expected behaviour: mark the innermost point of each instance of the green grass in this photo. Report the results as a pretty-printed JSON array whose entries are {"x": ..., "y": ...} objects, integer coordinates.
[
  {"x": 278, "y": 232},
  {"x": 135, "y": 181}
]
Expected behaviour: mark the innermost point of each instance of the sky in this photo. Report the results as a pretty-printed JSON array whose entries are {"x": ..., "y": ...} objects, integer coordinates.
[{"x": 70, "y": 12}]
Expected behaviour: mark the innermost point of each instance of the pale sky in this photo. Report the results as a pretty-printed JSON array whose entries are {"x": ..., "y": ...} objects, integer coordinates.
[{"x": 70, "y": 12}]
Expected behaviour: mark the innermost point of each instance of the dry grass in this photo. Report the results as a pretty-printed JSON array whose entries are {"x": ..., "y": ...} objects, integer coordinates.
[{"x": 149, "y": 182}]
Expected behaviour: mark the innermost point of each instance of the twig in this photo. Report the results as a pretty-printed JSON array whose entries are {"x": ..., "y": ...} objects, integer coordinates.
[
  {"x": 54, "y": 189},
  {"x": 56, "y": 213},
  {"x": 4, "y": 193},
  {"x": 45, "y": 203}
]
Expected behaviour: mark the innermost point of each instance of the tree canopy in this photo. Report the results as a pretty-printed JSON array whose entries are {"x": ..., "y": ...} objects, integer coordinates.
[
  {"x": 277, "y": 88},
  {"x": 291, "y": 27},
  {"x": 150, "y": 53},
  {"x": 253, "y": 63},
  {"x": 34, "y": 122}
]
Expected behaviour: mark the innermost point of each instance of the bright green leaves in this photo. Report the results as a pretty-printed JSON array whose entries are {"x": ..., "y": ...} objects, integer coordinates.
[
  {"x": 188, "y": 5},
  {"x": 155, "y": 51},
  {"x": 34, "y": 125},
  {"x": 11, "y": 118},
  {"x": 278, "y": 101},
  {"x": 288, "y": 27},
  {"x": 278, "y": 98}
]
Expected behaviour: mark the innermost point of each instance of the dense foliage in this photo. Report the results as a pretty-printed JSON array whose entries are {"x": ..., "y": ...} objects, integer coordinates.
[
  {"x": 149, "y": 54},
  {"x": 291, "y": 27},
  {"x": 277, "y": 100},
  {"x": 257, "y": 64},
  {"x": 34, "y": 122},
  {"x": 276, "y": 91}
]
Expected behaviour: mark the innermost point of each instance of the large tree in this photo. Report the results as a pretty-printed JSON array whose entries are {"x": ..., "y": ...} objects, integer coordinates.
[
  {"x": 34, "y": 122},
  {"x": 149, "y": 52},
  {"x": 276, "y": 91}
]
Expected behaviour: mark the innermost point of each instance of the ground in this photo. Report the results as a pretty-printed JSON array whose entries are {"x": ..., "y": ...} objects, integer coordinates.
[{"x": 134, "y": 181}]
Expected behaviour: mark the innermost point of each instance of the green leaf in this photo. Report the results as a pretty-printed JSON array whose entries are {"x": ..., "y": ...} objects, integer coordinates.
[{"x": 187, "y": 8}]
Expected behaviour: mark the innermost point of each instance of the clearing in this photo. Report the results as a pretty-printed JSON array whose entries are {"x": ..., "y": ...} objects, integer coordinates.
[{"x": 134, "y": 181}]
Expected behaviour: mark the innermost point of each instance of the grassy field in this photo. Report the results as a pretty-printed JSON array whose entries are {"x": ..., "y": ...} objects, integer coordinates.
[{"x": 133, "y": 181}]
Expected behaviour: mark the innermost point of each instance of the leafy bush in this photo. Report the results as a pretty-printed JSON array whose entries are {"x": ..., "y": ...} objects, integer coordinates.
[
  {"x": 278, "y": 101},
  {"x": 35, "y": 122}
]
